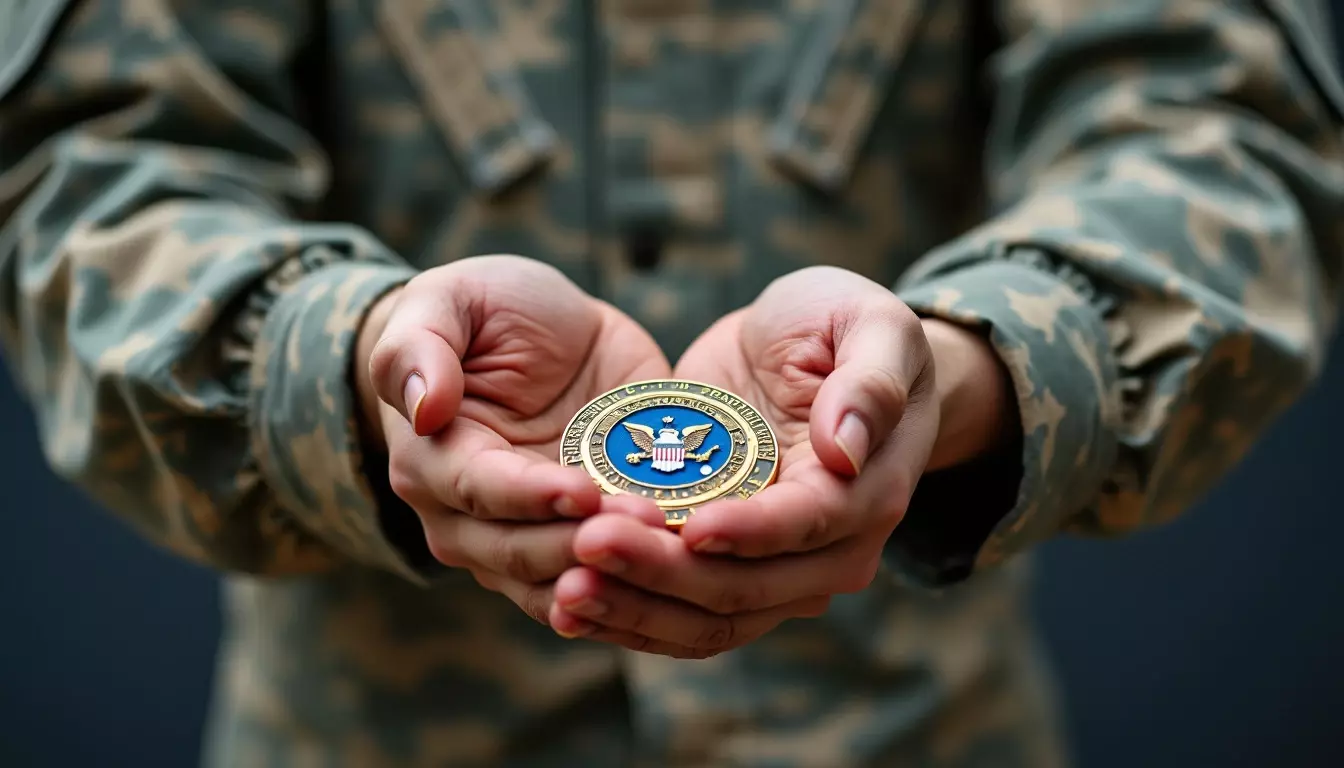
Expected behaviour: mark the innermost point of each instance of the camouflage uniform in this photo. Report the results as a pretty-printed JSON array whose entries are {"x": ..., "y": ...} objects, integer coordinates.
[{"x": 1139, "y": 200}]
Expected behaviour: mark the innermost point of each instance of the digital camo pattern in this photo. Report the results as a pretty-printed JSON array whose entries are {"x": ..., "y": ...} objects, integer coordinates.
[{"x": 1152, "y": 235}]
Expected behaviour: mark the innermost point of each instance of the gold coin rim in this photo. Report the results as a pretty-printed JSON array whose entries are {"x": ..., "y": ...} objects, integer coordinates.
[
  {"x": 683, "y": 507},
  {"x": 752, "y": 442},
  {"x": 672, "y": 502}
]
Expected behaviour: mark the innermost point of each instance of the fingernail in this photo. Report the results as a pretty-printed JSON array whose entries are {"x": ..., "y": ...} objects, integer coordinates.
[
  {"x": 566, "y": 507},
  {"x": 713, "y": 546},
  {"x": 588, "y": 607},
  {"x": 852, "y": 437},
  {"x": 610, "y": 564},
  {"x": 412, "y": 396}
]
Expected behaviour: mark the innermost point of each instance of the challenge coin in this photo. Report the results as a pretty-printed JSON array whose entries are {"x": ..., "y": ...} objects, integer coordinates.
[{"x": 680, "y": 443}]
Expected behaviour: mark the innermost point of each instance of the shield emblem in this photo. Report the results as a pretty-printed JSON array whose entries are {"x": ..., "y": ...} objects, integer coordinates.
[{"x": 669, "y": 453}]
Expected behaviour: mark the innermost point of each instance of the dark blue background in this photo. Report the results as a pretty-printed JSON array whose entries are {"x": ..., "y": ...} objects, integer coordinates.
[
  {"x": 619, "y": 443},
  {"x": 1216, "y": 641}
]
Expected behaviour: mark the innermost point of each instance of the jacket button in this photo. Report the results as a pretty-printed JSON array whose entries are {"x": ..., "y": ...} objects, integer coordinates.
[{"x": 644, "y": 249}]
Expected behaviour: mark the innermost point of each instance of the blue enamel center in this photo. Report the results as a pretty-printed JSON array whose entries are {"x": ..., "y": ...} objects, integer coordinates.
[{"x": 620, "y": 444}]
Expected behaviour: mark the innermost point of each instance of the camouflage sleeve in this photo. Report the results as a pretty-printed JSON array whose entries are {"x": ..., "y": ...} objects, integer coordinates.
[
  {"x": 1161, "y": 280},
  {"x": 183, "y": 334}
]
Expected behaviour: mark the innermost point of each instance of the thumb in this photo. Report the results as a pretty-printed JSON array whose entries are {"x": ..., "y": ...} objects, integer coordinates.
[
  {"x": 416, "y": 370},
  {"x": 882, "y": 365}
]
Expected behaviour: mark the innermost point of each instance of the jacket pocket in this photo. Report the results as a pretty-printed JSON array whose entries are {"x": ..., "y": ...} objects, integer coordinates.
[
  {"x": 839, "y": 86},
  {"x": 471, "y": 88}
]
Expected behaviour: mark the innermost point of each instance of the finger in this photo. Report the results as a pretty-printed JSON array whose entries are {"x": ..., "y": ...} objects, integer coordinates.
[
  {"x": 810, "y": 508},
  {"x": 479, "y": 473},
  {"x": 880, "y": 357},
  {"x": 538, "y": 602},
  {"x": 637, "y": 507},
  {"x": 471, "y": 468},
  {"x": 531, "y": 553},
  {"x": 570, "y": 626},
  {"x": 416, "y": 366},
  {"x": 659, "y": 562},
  {"x": 534, "y": 599},
  {"x": 609, "y": 603},
  {"x": 800, "y": 514}
]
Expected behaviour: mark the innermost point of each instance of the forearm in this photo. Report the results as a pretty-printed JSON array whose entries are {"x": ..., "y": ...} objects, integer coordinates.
[
  {"x": 185, "y": 340},
  {"x": 368, "y": 334},
  {"x": 977, "y": 413},
  {"x": 1162, "y": 288},
  {"x": 196, "y": 388}
]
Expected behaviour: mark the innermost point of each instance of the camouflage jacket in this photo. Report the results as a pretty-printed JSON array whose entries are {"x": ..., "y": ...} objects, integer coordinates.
[{"x": 1139, "y": 200}]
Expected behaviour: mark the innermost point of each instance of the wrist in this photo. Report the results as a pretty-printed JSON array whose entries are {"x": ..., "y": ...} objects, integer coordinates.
[
  {"x": 370, "y": 407},
  {"x": 977, "y": 405}
]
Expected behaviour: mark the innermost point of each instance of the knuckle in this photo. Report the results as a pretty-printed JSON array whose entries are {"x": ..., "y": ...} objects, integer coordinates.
[
  {"x": 638, "y": 643},
  {"x": 812, "y": 276},
  {"x": 421, "y": 280},
  {"x": 402, "y": 479},
  {"x": 439, "y": 551},
  {"x": 796, "y": 289},
  {"x": 536, "y": 604},
  {"x": 906, "y": 320},
  {"x": 486, "y": 579},
  {"x": 636, "y": 618},
  {"x": 815, "y": 607},
  {"x": 718, "y": 632},
  {"x": 724, "y": 601},
  {"x": 858, "y": 577},
  {"x": 911, "y": 329},
  {"x": 444, "y": 551},
  {"x": 509, "y": 269},
  {"x": 510, "y": 263},
  {"x": 382, "y": 362},
  {"x": 462, "y": 493},
  {"x": 851, "y": 583},
  {"x": 730, "y": 599},
  {"x": 818, "y": 530},
  {"x": 511, "y": 560},
  {"x": 891, "y": 514},
  {"x": 884, "y": 387},
  {"x": 882, "y": 509}
]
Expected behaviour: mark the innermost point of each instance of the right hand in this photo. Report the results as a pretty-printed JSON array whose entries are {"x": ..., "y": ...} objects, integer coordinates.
[{"x": 475, "y": 368}]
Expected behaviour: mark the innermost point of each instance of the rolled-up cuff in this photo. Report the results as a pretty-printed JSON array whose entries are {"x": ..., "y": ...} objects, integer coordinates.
[
  {"x": 305, "y": 414},
  {"x": 1055, "y": 346}
]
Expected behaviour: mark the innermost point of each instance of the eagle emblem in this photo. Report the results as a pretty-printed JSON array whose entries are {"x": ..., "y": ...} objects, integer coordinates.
[{"x": 671, "y": 449}]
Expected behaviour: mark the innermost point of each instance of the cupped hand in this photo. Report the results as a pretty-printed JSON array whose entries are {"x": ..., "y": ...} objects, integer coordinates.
[
  {"x": 474, "y": 370},
  {"x": 844, "y": 373}
]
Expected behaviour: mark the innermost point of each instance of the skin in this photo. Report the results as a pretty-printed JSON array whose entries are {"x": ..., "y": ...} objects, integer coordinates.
[
  {"x": 844, "y": 371},
  {"x": 474, "y": 370}
]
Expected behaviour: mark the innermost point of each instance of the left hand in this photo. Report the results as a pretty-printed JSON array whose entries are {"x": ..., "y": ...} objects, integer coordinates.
[
  {"x": 844, "y": 372},
  {"x": 474, "y": 369}
]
